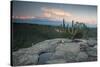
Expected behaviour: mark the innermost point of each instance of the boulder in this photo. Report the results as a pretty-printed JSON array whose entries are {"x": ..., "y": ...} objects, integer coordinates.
[
  {"x": 92, "y": 51},
  {"x": 58, "y": 55},
  {"x": 91, "y": 42},
  {"x": 59, "y": 50},
  {"x": 83, "y": 46},
  {"x": 25, "y": 59},
  {"x": 82, "y": 56},
  {"x": 45, "y": 46},
  {"x": 68, "y": 51},
  {"x": 44, "y": 57},
  {"x": 95, "y": 47},
  {"x": 69, "y": 47}
]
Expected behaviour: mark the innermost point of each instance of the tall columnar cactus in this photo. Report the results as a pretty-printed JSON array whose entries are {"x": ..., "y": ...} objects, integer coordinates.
[
  {"x": 76, "y": 28},
  {"x": 63, "y": 24},
  {"x": 71, "y": 30}
]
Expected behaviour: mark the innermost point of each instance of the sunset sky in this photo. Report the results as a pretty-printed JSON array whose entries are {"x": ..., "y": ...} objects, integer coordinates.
[{"x": 29, "y": 10}]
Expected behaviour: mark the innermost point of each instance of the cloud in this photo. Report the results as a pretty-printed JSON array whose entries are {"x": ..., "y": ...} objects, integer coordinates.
[
  {"x": 55, "y": 13},
  {"x": 58, "y": 14},
  {"x": 85, "y": 19}
]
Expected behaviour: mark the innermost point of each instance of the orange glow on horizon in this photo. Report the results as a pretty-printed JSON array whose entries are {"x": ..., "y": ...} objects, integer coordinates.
[
  {"x": 57, "y": 14},
  {"x": 23, "y": 17}
]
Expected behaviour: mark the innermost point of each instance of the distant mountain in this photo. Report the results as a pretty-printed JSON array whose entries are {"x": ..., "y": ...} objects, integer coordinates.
[
  {"x": 44, "y": 21},
  {"x": 38, "y": 21}
]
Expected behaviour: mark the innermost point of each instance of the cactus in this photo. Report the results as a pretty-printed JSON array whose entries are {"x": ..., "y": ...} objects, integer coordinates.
[
  {"x": 85, "y": 31},
  {"x": 64, "y": 24},
  {"x": 72, "y": 31},
  {"x": 76, "y": 28}
]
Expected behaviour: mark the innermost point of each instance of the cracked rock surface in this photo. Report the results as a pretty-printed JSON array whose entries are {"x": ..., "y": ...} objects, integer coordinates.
[{"x": 59, "y": 50}]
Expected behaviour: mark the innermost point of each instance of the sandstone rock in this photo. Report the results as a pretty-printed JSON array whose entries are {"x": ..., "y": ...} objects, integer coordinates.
[
  {"x": 83, "y": 46},
  {"x": 68, "y": 51},
  {"x": 56, "y": 61},
  {"x": 95, "y": 47},
  {"x": 91, "y": 42},
  {"x": 44, "y": 57},
  {"x": 82, "y": 56},
  {"x": 58, "y": 55},
  {"x": 45, "y": 46},
  {"x": 79, "y": 40},
  {"x": 69, "y": 47},
  {"x": 59, "y": 50},
  {"x": 92, "y": 51},
  {"x": 25, "y": 59}
]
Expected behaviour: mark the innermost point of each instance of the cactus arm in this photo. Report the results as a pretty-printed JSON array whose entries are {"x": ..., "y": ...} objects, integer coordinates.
[{"x": 75, "y": 28}]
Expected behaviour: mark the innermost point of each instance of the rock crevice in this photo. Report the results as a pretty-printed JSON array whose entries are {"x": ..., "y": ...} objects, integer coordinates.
[{"x": 59, "y": 50}]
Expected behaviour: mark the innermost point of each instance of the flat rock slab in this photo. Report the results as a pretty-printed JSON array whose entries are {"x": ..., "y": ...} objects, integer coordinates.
[
  {"x": 92, "y": 51},
  {"x": 25, "y": 59},
  {"x": 44, "y": 58},
  {"x": 56, "y": 61},
  {"x": 82, "y": 56},
  {"x": 59, "y": 50},
  {"x": 92, "y": 42}
]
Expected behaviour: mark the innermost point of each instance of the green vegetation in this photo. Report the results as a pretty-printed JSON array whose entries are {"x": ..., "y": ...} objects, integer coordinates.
[
  {"x": 26, "y": 34},
  {"x": 77, "y": 30},
  {"x": 23, "y": 34}
]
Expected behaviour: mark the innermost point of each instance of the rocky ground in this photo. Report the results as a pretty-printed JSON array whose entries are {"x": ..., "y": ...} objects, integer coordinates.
[{"x": 58, "y": 50}]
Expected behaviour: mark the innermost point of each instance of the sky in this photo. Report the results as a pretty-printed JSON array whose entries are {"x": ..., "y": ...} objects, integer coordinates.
[{"x": 54, "y": 11}]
